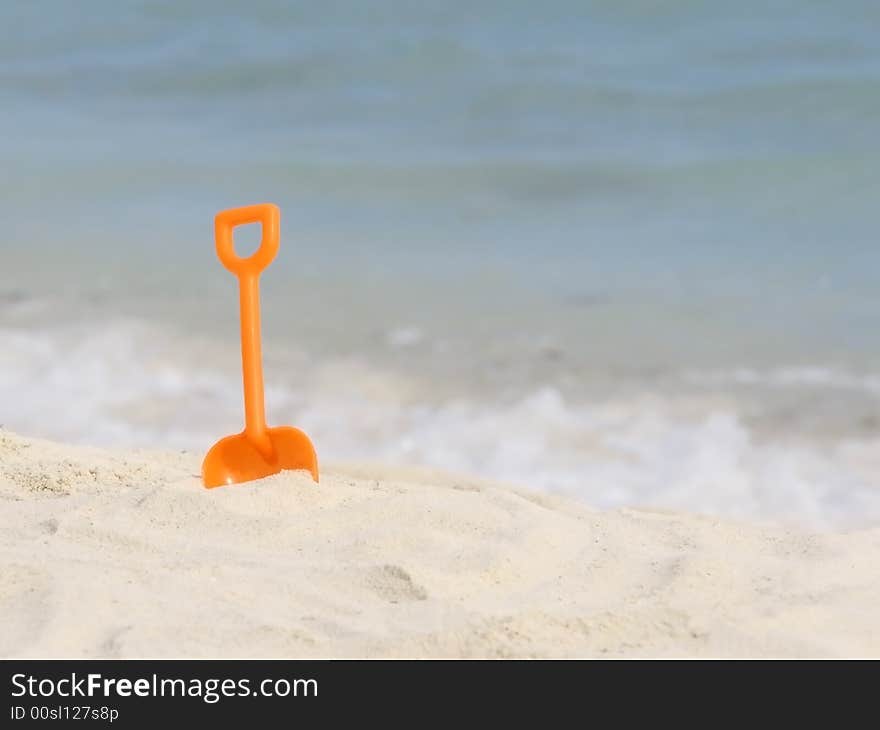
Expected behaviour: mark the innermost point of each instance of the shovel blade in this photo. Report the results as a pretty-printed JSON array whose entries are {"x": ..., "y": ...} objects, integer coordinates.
[{"x": 235, "y": 459}]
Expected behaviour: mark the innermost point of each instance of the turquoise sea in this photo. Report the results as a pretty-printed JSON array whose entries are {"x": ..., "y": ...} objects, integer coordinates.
[{"x": 621, "y": 250}]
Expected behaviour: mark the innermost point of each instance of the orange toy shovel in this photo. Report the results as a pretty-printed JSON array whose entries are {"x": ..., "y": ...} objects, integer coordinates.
[{"x": 258, "y": 451}]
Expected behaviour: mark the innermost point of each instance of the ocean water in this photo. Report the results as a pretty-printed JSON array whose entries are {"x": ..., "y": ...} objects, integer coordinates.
[{"x": 625, "y": 251}]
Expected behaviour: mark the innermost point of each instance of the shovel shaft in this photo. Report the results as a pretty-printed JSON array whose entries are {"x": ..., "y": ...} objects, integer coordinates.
[{"x": 252, "y": 362}]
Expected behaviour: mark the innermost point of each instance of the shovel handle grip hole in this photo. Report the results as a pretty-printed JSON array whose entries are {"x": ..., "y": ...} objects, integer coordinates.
[{"x": 268, "y": 216}]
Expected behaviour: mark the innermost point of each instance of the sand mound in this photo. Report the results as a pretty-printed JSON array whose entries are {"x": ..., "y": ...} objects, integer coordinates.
[{"x": 124, "y": 554}]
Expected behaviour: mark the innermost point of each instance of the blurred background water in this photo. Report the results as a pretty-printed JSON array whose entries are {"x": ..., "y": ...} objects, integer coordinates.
[{"x": 625, "y": 250}]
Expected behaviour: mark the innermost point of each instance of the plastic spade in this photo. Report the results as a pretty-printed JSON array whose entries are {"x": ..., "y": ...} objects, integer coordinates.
[{"x": 258, "y": 451}]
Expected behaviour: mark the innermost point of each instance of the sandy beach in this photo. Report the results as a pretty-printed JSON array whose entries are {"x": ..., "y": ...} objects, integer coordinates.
[{"x": 124, "y": 554}]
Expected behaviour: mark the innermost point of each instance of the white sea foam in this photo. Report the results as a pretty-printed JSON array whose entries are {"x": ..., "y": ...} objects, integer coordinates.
[
  {"x": 792, "y": 377},
  {"x": 404, "y": 336},
  {"x": 130, "y": 384}
]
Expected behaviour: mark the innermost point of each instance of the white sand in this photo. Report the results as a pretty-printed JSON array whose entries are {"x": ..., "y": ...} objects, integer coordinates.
[{"x": 124, "y": 554}]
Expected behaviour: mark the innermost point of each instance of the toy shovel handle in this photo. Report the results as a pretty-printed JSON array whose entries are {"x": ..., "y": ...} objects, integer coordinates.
[
  {"x": 248, "y": 272},
  {"x": 266, "y": 214}
]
